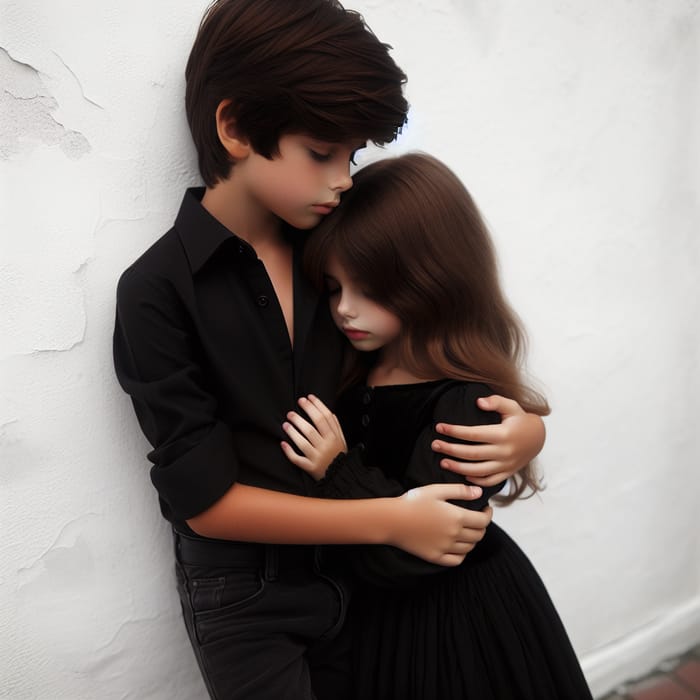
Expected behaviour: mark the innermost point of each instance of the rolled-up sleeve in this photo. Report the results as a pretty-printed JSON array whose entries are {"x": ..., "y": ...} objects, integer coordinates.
[{"x": 157, "y": 362}]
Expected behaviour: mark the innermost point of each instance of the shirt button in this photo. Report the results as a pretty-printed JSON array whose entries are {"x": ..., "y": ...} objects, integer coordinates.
[
  {"x": 366, "y": 398},
  {"x": 365, "y": 420},
  {"x": 262, "y": 300}
]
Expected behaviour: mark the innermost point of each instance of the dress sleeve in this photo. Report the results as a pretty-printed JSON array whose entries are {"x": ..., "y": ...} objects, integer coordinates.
[
  {"x": 155, "y": 358},
  {"x": 349, "y": 477},
  {"x": 456, "y": 405}
]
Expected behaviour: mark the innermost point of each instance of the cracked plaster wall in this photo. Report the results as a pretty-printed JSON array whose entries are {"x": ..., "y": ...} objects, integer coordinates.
[{"x": 575, "y": 126}]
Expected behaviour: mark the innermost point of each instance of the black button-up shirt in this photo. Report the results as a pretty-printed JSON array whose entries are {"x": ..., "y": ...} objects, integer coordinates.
[{"x": 202, "y": 348}]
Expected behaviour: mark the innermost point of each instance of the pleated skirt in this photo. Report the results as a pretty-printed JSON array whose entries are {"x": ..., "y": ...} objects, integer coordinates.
[{"x": 486, "y": 630}]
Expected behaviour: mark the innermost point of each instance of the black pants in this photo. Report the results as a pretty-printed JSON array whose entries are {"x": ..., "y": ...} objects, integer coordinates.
[{"x": 264, "y": 621}]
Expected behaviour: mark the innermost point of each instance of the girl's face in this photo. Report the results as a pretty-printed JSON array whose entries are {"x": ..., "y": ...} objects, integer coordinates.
[{"x": 367, "y": 325}]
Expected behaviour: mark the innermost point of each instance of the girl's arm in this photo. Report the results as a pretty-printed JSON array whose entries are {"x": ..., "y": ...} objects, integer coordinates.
[{"x": 505, "y": 447}]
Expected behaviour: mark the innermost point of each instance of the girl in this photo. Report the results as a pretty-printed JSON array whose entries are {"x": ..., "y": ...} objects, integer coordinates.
[{"x": 411, "y": 276}]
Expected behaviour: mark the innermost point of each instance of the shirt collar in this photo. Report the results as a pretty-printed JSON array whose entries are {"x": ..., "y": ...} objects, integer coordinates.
[{"x": 201, "y": 234}]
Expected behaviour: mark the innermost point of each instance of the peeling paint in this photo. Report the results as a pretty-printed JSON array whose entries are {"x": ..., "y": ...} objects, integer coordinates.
[
  {"x": 80, "y": 86},
  {"x": 57, "y": 345},
  {"x": 49, "y": 351},
  {"x": 58, "y": 565},
  {"x": 26, "y": 108},
  {"x": 19, "y": 63},
  {"x": 4, "y": 432},
  {"x": 82, "y": 267},
  {"x": 117, "y": 643},
  {"x": 67, "y": 539},
  {"x": 53, "y": 299}
]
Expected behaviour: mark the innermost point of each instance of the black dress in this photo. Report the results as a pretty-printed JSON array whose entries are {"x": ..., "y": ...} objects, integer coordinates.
[{"x": 486, "y": 630}]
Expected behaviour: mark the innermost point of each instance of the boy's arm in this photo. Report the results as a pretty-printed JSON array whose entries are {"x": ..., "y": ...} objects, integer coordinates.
[
  {"x": 504, "y": 448},
  {"x": 414, "y": 522},
  {"x": 155, "y": 359}
]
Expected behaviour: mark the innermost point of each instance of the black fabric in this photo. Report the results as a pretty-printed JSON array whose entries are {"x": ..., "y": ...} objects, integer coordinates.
[
  {"x": 395, "y": 426},
  {"x": 486, "y": 630},
  {"x": 203, "y": 552},
  {"x": 201, "y": 346},
  {"x": 264, "y": 630}
]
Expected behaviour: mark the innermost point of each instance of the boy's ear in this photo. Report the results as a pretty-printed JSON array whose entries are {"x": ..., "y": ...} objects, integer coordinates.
[{"x": 236, "y": 146}]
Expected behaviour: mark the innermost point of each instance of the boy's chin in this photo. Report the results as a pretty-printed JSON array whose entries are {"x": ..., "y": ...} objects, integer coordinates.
[{"x": 303, "y": 223}]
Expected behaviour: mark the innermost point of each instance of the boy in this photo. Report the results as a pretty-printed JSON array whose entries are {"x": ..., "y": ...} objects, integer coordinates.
[{"x": 217, "y": 334}]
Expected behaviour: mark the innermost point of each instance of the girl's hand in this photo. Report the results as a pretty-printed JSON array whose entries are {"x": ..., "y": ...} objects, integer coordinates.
[
  {"x": 506, "y": 447},
  {"x": 320, "y": 441},
  {"x": 438, "y": 531}
]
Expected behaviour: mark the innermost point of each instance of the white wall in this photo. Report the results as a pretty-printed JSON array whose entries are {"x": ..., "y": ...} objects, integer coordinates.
[{"x": 573, "y": 122}]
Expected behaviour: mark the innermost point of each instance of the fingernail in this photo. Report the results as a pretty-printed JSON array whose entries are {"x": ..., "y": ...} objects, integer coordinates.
[
  {"x": 475, "y": 491},
  {"x": 436, "y": 445},
  {"x": 440, "y": 428}
]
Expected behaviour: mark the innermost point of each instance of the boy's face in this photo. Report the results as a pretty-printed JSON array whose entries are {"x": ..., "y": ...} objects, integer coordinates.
[{"x": 303, "y": 183}]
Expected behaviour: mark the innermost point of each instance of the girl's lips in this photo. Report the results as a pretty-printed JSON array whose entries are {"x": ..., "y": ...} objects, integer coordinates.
[{"x": 354, "y": 334}]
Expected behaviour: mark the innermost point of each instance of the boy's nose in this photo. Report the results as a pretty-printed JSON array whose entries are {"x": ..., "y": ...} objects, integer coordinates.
[{"x": 342, "y": 181}]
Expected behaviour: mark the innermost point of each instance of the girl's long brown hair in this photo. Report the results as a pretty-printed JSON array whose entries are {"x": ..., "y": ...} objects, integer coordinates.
[{"x": 410, "y": 231}]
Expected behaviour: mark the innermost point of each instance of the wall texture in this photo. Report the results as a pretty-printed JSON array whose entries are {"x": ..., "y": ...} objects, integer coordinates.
[{"x": 575, "y": 125}]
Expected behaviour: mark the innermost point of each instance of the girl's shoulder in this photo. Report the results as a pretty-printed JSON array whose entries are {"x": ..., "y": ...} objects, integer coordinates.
[{"x": 454, "y": 401}]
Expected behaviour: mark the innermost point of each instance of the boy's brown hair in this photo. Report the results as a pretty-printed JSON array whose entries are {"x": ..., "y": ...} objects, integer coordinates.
[{"x": 289, "y": 66}]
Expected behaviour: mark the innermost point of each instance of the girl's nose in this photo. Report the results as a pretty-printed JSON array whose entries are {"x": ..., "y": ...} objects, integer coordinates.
[{"x": 345, "y": 308}]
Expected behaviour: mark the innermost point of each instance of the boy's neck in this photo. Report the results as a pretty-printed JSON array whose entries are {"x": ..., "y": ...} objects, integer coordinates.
[{"x": 233, "y": 208}]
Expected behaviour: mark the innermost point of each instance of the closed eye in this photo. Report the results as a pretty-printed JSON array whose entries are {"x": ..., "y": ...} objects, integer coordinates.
[
  {"x": 332, "y": 286},
  {"x": 319, "y": 157}
]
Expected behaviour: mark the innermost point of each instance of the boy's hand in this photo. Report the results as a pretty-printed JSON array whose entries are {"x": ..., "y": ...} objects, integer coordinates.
[
  {"x": 438, "y": 531},
  {"x": 505, "y": 447},
  {"x": 320, "y": 441}
]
